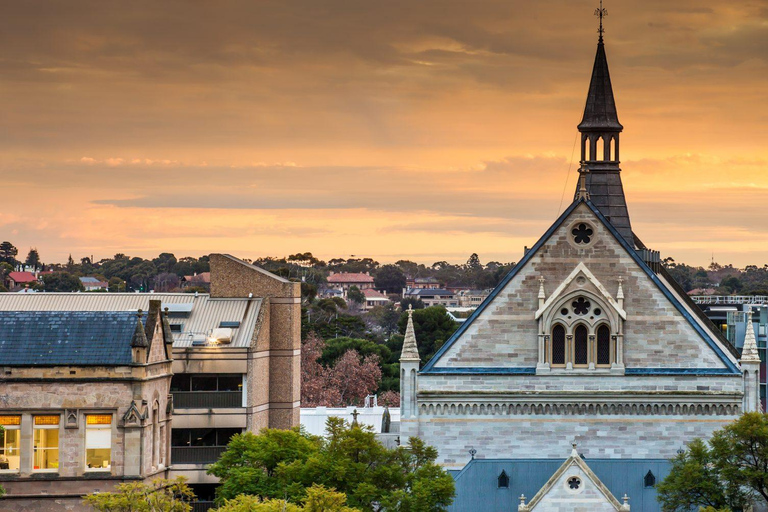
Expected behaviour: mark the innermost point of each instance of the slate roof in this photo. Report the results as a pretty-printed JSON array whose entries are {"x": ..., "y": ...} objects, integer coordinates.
[
  {"x": 429, "y": 293},
  {"x": 58, "y": 338},
  {"x": 477, "y": 484},
  {"x": 600, "y": 110}
]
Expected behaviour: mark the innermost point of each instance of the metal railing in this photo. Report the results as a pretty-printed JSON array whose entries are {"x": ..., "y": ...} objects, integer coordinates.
[
  {"x": 730, "y": 299},
  {"x": 202, "y": 506},
  {"x": 207, "y": 399},
  {"x": 196, "y": 454}
]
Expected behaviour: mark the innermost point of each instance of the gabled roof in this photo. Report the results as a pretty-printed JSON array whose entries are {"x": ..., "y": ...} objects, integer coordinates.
[
  {"x": 350, "y": 277},
  {"x": 705, "y": 332},
  {"x": 22, "y": 277},
  {"x": 71, "y": 338},
  {"x": 370, "y": 293}
]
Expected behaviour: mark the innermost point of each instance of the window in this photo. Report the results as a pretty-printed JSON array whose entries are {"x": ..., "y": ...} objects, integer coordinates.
[
  {"x": 45, "y": 440},
  {"x": 650, "y": 479},
  {"x": 9, "y": 443},
  {"x": 580, "y": 346},
  {"x": 207, "y": 382},
  {"x": 603, "y": 346},
  {"x": 573, "y": 484},
  {"x": 198, "y": 437},
  {"x": 582, "y": 234},
  {"x": 503, "y": 480},
  {"x": 98, "y": 442},
  {"x": 558, "y": 346},
  {"x": 176, "y": 327}
]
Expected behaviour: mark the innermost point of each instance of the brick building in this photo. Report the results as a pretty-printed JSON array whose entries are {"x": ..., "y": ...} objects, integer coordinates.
[
  {"x": 587, "y": 340},
  {"x": 85, "y": 404}
]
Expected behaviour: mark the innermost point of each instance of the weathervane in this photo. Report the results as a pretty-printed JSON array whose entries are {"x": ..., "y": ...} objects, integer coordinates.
[{"x": 601, "y": 12}]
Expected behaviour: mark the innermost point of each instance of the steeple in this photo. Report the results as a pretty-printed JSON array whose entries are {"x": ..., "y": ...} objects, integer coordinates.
[
  {"x": 410, "y": 350},
  {"x": 600, "y": 129}
]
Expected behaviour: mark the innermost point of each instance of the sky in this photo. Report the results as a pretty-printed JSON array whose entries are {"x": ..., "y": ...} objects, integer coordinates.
[{"x": 423, "y": 130}]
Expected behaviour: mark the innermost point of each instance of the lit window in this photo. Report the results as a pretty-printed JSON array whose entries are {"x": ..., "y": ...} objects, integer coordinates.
[
  {"x": 98, "y": 442},
  {"x": 9, "y": 443},
  {"x": 46, "y": 443}
]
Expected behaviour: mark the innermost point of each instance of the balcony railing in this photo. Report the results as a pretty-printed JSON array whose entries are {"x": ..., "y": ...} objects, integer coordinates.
[
  {"x": 202, "y": 506},
  {"x": 196, "y": 454},
  {"x": 207, "y": 399}
]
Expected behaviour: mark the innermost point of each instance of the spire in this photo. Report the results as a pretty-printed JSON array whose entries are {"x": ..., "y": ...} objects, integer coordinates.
[
  {"x": 139, "y": 339},
  {"x": 410, "y": 349},
  {"x": 749, "y": 353}
]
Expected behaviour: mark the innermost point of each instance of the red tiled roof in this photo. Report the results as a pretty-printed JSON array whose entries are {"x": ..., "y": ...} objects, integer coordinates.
[
  {"x": 202, "y": 277},
  {"x": 350, "y": 277},
  {"x": 370, "y": 293},
  {"x": 23, "y": 277}
]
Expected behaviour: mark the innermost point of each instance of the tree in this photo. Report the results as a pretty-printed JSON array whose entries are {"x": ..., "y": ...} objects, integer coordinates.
[
  {"x": 8, "y": 253},
  {"x": 389, "y": 278},
  {"x": 432, "y": 326},
  {"x": 160, "y": 495},
  {"x": 62, "y": 282},
  {"x": 355, "y": 295},
  {"x": 346, "y": 380},
  {"x": 414, "y": 302},
  {"x": 33, "y": 259},
  {"x": 728, "y": 473},
  {"x": 473, "y": 263},
  {"x": 385, "y": 317},
  {"x": 166, "y": 282},
  {"x": 319, "y": 499},
  {"x": 286, "y": 464}
]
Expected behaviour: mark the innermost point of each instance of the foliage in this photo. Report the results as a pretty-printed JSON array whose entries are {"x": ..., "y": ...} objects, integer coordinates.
[
  {"x": 33, "y": 259},
  {"x": 390, "y": 279},
  {"x": 319, "y": 499},
  {"x": 355, "y": 295},
  {"x": 61, "y": 282},
  {"x": 160, "y": 495},
  {"x": 727, "y": 473},
  {"x": 349, "y": 459},
  {"x": 346, "y": 380},
  {"x": 8, "y": 253},
  {"x": 385, "y": 317},
  {"x": 390, "y": 398},
  {"x": 413, "y": 302},
  {"x": 432, "y": 326}
]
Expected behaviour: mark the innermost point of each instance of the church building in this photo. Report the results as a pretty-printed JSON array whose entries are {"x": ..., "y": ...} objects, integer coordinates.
[{"x": 586, "y": 369}]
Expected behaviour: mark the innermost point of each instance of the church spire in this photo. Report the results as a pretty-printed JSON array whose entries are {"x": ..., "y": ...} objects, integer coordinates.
[
  {"x": 410, "y": 350},
  {"x": 600, "y": 129}
]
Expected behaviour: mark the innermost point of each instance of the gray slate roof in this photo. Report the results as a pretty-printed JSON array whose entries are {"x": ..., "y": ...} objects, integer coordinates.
[{"x": 57, "y": 338}]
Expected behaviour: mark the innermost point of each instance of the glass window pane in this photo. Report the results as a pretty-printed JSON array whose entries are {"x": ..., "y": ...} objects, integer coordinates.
[
  {"x": 223, "y": 435},
  {"x": 10, "y": 420},
  {"x": 580, "y": 351},
  {"x": 203, "y": 383},
  {"x": 9, "y": 449},
  {"x": 47, "y": 420},
  {"x": 46, "y": 449},
  {"x": 603, "y": 345},
  {"x": 98, "y": 419},
  {"x": 230, "y": 382},
  {"x": 98, "y": 448},
  {"x": 180, "y": 437},
  {"x": 203, "y": 437},
  {"x": 180, "y": 382},
  {"x": 558, "y": 345}
]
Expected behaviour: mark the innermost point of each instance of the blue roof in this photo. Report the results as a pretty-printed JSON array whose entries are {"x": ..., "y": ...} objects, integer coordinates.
[
  {"x": 707, "y": 336},
  {"x": 53, "y": 338},
  {"x": 477, "y": 484}
]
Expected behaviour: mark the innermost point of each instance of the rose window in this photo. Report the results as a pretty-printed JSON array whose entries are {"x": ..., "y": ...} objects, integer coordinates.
[
  {"x": 582, "y": 234},
  {"x": 581, "y": 306},
  {"x": 574, "y": 483}
]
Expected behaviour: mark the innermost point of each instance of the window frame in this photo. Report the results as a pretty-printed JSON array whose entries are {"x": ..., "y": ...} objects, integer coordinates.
[
  {"x": 15, "y": 428},
  {"x": 552, "y": 346},
  {"x": 35, "y": 428},
  {"x": 611, "y": 346},
  {"x": 95, "y": 427},
  {"x": 575, "y": 329}
]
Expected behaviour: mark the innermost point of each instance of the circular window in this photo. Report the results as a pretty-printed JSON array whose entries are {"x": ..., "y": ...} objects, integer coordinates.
[
  {"x": 573, "y": 484},
  {"x": 564, "y": 311},
  {"x": 582, "y": 233},
  {"x": 597, "y": 311},
  {"x": 581, "y": 306}
]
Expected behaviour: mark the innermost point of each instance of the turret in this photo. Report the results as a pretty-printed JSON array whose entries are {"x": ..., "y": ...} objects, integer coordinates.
[
  {"x": 750, "y": 368},
  {"x": 409, "y": 368}
]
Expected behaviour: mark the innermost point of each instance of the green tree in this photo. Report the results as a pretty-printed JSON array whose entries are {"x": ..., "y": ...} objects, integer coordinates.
[
  {"x": 62, "y": 282},
  {"x": 33, "y": 259},
  {"x": 286, "y": 464},
  {"x": 160, "y": 495},
  {"x": 319, "y": 499},
  {"x": 8, "y": 253},
  {"x": 414, "y": 302},
  {"x": 355, "y": 295},
  {"x": 389, "y": 278},
  {"x": 433, "y": 327},
  {"x": 740, "y": 454}
]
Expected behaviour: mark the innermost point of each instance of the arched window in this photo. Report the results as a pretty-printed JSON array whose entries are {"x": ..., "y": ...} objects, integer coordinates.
[
  {"x": 650, "y": 479},
  {"x": 558, "y": 346},
  {"x": 580, "y": 346},
  {"x": 599, "y": 149},
  {"x": 503, "y": 480},
  {"x": 603, "y": 345}
]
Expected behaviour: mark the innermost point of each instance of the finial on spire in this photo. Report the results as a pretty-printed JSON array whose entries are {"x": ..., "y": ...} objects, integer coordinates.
[
  {"x": 601, "y": 12},
  {"x": 583, "y": 192},
  {"x": 749, "y": 353}
]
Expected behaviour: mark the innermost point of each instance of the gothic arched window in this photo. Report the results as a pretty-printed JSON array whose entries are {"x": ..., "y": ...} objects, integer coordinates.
[
  {"x": 603, "y": 345},
  {"x": 580, "y": 346},
  {"x": 503, "y": 480},
  {"x": 650, "y": 479},
  {"x": 558, "y": 345}
]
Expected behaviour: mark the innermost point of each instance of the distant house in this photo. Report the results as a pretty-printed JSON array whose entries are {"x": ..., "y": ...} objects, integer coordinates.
[
  {"x": 374, "y": 298},
  {"x": 201, "y": 280},
  {"x": 345, "y": 280},
  {"x": 18, "y": 280},
  {"x": 426, "y": 283},
  {"x": 433, "y": 297},
  {"x": 92, "y": 284},
  {"x": 472, "y": 298}
]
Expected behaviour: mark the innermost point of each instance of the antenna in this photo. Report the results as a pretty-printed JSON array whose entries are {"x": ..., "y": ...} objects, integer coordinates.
[{"x": 601, "y": 12}]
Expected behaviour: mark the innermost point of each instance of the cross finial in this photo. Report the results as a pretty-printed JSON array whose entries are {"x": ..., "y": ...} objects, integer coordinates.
[
  {"x": 354, "y": 416},
  {"x": 410, "y": 310},
  {"x": 601, "y": 12}
]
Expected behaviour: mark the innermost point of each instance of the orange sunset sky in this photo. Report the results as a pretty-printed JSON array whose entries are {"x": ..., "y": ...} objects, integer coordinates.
[{"x": 424, "y": 130}]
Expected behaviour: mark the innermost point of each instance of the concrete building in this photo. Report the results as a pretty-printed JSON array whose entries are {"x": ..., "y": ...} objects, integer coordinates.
[
  {"x": 236, "y": 356},
  {"x": 85, "y": 404},
  {"x": 587, "y": 340},
  {"x": 432, "y": 297},
  {"x": 472, "y": 298}
]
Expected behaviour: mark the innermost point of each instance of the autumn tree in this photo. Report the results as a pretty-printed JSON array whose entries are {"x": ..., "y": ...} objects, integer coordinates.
[
  {"x": 166, "y": 495},
  {"x": 346, "y": 381}
]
